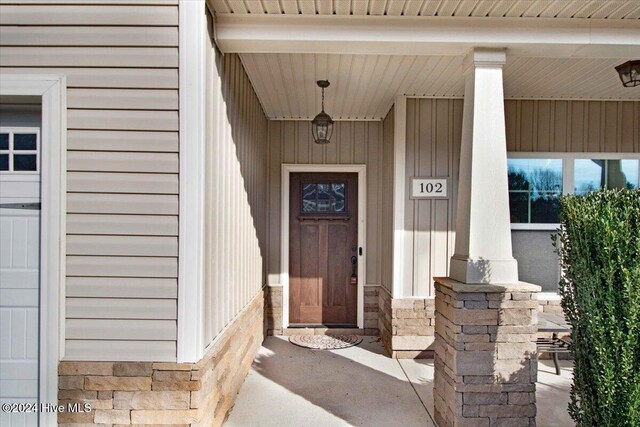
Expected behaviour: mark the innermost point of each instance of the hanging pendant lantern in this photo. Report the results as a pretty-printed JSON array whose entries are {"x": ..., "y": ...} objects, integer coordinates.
[
  {"x": 322, "y": 124},
  {"x": 629, "y": 73}
]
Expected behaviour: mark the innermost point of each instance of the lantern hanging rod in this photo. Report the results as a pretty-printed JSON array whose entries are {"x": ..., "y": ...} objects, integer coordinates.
[{"x": 323, "y": 84}]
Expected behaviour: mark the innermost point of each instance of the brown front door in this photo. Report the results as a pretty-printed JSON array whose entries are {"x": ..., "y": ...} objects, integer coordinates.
[{"x": 323, "y": 246}]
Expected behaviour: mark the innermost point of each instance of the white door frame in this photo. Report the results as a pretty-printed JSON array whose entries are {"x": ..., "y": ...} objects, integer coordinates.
[
  {"x": 52, "y": 90},
  {"x": 287, "y": 169}
]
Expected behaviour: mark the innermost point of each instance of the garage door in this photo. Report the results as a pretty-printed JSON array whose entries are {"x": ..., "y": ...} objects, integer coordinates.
[{"x": 19, "y": 270}]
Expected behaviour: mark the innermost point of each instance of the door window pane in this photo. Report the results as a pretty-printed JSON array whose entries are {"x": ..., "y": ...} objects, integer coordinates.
[
  {"x": 337, "y": 198},
  {"x": 19, "y": 150},
  {"x": 534, "y": 188},
  {"x": 309, "y": 198},
  {"x": 24, "y": 141},
  {"x": 323, "y": 198},
  {"x": 595, "y": 174},
  {"x": 24, "y": 162}
]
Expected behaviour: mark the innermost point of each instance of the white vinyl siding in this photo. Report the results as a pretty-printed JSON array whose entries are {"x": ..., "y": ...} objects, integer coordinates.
[
  {"x": 121, "y": 63},
  {"x": 235, "y": 192},
  {"x": 144, "y": 225},
  {"x": 137, "y": 78}
]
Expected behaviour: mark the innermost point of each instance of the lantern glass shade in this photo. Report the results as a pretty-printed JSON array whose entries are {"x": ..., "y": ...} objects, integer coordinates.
[
  {"x": 629, "y": 73},
  {"x": 322, "y": 128}
]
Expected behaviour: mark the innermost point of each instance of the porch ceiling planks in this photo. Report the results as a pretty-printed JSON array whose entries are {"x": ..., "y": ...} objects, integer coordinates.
[
  {"x": 615, "y": 9},
  {"x": 363, "y": 86}
]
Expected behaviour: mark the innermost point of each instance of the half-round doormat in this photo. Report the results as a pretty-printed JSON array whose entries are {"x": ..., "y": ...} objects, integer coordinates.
[{"x": 325, "y": 342}]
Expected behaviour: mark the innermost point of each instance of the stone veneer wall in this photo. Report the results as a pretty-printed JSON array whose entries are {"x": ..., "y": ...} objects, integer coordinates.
[
  {"x": 550, "y": 306},
  {"x": 384, "y": 319},
  {"x": 371, "y": 310},
  {"x": 486, "y": 359},
  {"x": 147, "y": 393},
  {"x": 273, "y": 310},
  {"x": 407, "y": 326}
]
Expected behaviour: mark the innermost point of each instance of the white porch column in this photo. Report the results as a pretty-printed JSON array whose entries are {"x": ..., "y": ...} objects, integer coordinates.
[{"x": 483, "y": 236}]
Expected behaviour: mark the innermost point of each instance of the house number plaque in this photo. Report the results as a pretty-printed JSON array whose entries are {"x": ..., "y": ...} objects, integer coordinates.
[{"x": 429, "y": 188}]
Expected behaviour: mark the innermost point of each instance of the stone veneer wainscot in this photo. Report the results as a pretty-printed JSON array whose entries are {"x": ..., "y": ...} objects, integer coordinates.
[
  {"x": 273, "y": 310},
  {"x": 147, "y": 393},
  {"x": 406, "y": 326}
]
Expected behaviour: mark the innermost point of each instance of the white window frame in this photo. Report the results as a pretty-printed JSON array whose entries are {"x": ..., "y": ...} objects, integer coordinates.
[
  {"x": 52, "y": 90},
  {"x": 568, "y": 161}
]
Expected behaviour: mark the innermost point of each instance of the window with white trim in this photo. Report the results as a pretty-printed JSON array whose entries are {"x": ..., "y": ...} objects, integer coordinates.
[
  {"x": 19, "y": 149},
  {"x": 595, "y": 174},
  {"x": 536, "y": 180},
  {"x": 535, "y": 186}
]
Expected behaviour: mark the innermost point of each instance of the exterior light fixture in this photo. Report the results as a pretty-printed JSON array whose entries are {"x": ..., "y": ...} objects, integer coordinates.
[
  {"x": 629, "y": 73},
  {"x": 322, "y": 124}
]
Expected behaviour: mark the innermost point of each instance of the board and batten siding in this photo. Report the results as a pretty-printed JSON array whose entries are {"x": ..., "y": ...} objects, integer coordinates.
[
  {"x": 573, "y": 126},
  {"x": 433, "y": 149},
  {"x": 121, "y": 63},
  {"x": 235, "y": 192},
  {"x": 434, "y": 128},
  {"x": 353, "y": 142}
]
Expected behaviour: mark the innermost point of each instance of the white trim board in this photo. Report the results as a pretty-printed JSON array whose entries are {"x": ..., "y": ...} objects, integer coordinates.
[
  {"x": 287, "y": 169},
  {"x": 401, "y": 242},
  {"x": 193, "y": 33},
  {"x": 422, "y": 35},
  {"x": 571, "y": 155},
  {"x": 53, "y": 92}
]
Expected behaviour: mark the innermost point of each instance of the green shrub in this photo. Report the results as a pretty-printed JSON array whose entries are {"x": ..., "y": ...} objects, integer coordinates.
[{"x": 599, "y": 248}]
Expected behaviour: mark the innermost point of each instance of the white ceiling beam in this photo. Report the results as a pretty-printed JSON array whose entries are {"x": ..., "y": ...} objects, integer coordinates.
[{"x": 385, "y": 35}]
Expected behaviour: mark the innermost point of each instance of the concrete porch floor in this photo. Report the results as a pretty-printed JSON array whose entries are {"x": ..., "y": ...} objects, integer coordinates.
[{"x": 360, "y": 386}]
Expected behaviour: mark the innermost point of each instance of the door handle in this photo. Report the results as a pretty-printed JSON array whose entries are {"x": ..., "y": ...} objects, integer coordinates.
[
  {"x": 34, "y": 206},
  {"x": 354, "y": 276}
]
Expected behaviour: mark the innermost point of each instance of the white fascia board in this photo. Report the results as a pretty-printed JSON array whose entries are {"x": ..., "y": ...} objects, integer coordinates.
[{"x": 384, "y": 35}]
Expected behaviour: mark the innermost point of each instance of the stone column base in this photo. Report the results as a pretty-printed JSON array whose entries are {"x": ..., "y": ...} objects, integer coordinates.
[{"x": 485, "y": 361}]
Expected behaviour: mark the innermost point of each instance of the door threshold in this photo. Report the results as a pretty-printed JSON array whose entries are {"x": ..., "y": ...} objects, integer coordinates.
[
  {"x": 321, "y": 330},
  {"x": 322, "y": 325}
]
